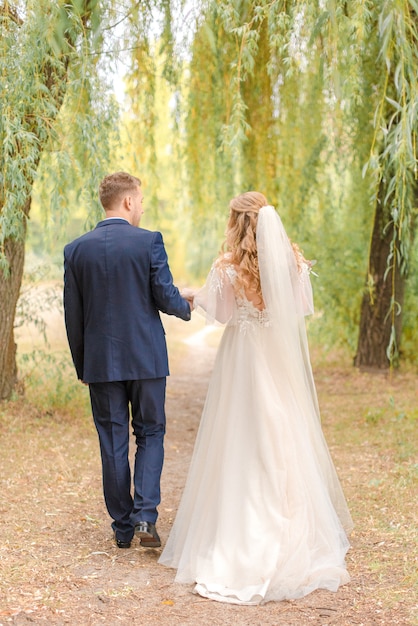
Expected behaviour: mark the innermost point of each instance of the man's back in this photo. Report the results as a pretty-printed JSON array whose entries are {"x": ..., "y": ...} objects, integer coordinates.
[{"x": 116, "y": 280}]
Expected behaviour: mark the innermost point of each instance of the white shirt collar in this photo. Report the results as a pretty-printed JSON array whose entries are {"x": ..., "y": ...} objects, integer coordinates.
[{"x": 114, "y": 218}]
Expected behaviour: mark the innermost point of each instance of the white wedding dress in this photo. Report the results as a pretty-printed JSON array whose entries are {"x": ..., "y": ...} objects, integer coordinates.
[{"x": 262, "y": 516}]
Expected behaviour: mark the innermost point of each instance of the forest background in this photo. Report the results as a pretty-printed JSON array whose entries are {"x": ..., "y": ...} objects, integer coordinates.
[{"x": 312, "y": 103}]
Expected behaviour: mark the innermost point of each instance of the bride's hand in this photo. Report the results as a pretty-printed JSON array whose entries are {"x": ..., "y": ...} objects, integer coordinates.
[
  {"x": 300, "y": 259},
  {"x": 188, "y": 294}
]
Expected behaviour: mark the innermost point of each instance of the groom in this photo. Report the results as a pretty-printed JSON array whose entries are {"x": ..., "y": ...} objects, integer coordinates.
[{"x": 116, "y": 280}]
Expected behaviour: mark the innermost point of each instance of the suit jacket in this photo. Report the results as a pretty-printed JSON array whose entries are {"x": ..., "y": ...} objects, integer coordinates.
[{"x": 116, "y": 280}]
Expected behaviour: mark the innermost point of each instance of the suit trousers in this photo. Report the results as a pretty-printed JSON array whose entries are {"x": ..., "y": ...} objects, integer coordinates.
[{"x": 110, "y": 402}]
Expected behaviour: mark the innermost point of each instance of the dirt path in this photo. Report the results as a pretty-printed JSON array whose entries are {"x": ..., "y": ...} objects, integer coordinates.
[{"x": 58, "y": 562}]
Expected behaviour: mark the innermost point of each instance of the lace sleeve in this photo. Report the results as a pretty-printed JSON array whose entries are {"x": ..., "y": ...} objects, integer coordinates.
[{"x": 216, "y": 299}]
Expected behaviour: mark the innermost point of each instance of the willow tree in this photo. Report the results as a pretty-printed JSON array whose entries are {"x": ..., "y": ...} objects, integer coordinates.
[
  {"x": 42, "y": 43},
  {"x": 289, "y": 97},
  {"x": 393, "y": 162},
  {"x": 192, "y": 172},
  {"x": 260, "y": 111},
  {"x": 369, "y": 58},
  {"x": 250, "y": 113}
]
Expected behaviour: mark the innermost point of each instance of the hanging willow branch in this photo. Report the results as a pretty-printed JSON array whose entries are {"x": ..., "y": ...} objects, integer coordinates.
[
  {"x": 290, "y": 87},
  {"x": 393, "y": 156}
]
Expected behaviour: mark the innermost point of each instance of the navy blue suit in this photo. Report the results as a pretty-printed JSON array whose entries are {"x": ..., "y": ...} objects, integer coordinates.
[{"x": 116, "y": 280}]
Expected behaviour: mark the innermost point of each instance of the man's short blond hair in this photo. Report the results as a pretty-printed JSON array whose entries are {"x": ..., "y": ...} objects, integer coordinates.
[{"x": 114, "y": 186}]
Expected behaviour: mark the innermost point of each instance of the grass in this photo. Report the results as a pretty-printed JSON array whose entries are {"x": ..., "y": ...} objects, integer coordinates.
[{"x": 376, "y": 439}]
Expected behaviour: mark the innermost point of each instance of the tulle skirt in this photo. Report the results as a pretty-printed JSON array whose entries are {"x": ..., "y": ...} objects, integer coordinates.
[{"x": 262, "y": 516}]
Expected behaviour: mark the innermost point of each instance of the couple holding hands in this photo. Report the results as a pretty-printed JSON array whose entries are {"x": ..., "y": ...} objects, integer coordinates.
[{"x": 262, "y": 516}]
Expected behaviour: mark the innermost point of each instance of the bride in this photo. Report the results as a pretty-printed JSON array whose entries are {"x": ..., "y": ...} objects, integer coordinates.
[{"x": 263, "y": 516}]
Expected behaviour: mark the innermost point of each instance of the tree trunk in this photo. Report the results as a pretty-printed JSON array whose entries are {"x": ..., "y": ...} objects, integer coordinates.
[
  {"x": 9, "y": 294},
  {"x": 54, "y": 76},
  {"x": 376, "y": 319}
]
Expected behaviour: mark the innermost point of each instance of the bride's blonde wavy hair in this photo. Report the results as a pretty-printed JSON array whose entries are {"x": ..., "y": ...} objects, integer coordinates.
[{"x": 240, "y": 245}]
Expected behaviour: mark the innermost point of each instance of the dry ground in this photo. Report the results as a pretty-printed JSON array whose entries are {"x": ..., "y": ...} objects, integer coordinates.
[{"x": 58, "y": 562}]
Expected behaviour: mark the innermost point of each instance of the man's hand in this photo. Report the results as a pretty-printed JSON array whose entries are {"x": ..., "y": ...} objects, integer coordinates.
[{"x": 188, "y": 294}]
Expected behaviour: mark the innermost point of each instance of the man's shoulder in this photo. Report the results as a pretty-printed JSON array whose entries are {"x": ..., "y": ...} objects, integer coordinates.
[
  {"x": 149, "y": 235},
  {"x": 75, "y": 242}
]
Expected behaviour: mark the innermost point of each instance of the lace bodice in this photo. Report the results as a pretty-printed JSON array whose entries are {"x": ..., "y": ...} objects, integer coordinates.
[{"x": 247, "y": 315}]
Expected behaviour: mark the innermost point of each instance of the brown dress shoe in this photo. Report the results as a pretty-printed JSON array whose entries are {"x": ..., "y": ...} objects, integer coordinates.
[{"x": 148, "y": 535}]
